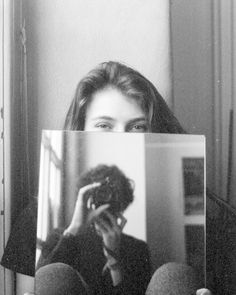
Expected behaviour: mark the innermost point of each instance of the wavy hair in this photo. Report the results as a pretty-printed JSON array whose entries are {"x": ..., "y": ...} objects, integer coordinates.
[
  {"x": 131, "y": 84},
  {"x": 116, "y": 189}
]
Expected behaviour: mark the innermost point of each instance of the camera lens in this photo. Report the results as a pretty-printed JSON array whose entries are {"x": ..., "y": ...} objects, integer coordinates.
[{"x": 104, "y": 194}]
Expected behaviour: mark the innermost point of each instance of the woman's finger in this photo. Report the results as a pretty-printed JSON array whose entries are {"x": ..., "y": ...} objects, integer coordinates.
[
  {"x": 86, "y": 188},
  {"x": 102, "y": 226},
  {"x": 113, "y": 220},
  {"x": 121, "y": 221},
  {"x": 118, "y": 221},
  {"x": 105, "y": 222},
  {"x": 94, "y": 214}
]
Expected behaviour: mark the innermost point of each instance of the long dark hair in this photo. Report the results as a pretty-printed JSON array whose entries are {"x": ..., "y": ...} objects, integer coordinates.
[{"x": 132, "y": 84}]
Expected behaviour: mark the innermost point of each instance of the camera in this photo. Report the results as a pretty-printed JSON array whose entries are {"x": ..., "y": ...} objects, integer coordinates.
[{"x": 104, "y": 194}]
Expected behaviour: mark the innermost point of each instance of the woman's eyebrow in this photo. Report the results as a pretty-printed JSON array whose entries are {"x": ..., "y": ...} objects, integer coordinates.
[
  {"x": 136, "y": 120},
  {"x": 103, "y": 118}
]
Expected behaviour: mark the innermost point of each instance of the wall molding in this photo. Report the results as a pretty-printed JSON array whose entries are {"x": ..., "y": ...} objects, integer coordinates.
[
  {"x": 7, "y": 28},
  {"x": 223, "y": 13}
]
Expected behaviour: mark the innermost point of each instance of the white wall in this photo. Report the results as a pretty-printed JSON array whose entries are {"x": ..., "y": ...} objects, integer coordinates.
[
  {"x": 127, "y": 152},
  {"x": 83, "y": 151},
  {"x": 65, "y": 39},
  {"x": 6, "y": 56},
  {"x": 152, "y": 161},
  {"x": 165, "y": 194}
]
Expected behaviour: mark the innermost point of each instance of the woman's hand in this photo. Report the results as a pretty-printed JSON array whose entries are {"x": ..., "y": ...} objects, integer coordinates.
[
  {"x": 107, "y": 225},
  {"x": 82, "y": 216},
  {"x": 203, "y": 292}
]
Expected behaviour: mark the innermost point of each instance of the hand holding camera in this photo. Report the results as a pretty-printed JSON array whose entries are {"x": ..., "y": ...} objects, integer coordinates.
[{"x": 84, "y": 216}]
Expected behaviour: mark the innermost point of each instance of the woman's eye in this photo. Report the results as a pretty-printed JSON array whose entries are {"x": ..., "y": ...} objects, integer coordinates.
[
  {"x": 103, "y": 126},
  {"x": 138, "y": 128}
]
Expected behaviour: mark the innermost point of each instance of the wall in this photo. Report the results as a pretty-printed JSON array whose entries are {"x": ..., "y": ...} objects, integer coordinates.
[
  {"x": 204, "y": 82},
  {"x": 224, "y": 38},
  {"x": 66, "y": 39},
  {"x": 155, "y": 165},
  {"x": 196, "y": 34},
  {"x": 192, "y": 52},
  {"x": 165, "y": 194},
  {"x": 127, "y": 151},
  {"x": 83, "y": 151},
  {"x": 6, "y": 85}
]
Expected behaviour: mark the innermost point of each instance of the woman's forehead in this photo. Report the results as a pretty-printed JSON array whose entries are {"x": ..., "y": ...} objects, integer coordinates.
[{"x": 111, "y": 102}]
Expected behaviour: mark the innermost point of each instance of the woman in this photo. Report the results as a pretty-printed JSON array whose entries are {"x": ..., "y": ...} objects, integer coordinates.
[
  {"x": 109, "y": 261},
  {"x": 113, "y": 98},
  {"x": 131, "y": 91}
]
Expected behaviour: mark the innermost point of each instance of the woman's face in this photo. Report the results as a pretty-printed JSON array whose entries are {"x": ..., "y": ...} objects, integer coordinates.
[{"x": 111, "y": 111}]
